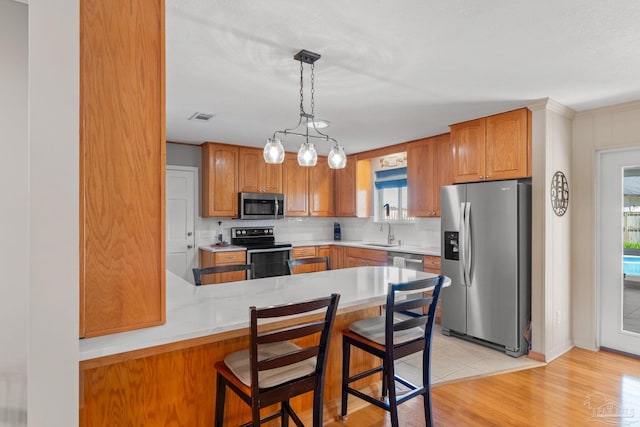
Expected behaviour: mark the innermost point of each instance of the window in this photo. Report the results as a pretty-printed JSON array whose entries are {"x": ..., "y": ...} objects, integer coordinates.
[{"x": 390, "y": 197}]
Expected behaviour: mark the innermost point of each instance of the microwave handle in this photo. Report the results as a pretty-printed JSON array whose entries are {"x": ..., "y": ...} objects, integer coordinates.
[{"x": 275, "y": 213}]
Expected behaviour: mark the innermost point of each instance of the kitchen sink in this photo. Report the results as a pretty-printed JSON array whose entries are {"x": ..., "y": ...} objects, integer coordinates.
[{"x": 381, "y": 245}]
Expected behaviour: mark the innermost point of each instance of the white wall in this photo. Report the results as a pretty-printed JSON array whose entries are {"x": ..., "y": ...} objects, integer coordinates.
[
  {"x": 14, "y": 225},
  {"x": 600, "y": 129},
  {"x": 551, "y": 245},
  {"x": 54, "y": 212}
]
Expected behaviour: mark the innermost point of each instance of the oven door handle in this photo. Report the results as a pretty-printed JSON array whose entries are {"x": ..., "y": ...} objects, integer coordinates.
[{"x": 257, "y": 251}]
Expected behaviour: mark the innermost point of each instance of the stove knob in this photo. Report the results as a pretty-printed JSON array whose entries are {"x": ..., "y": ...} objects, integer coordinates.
[
  {"x": 270, "y": 231},
  {"x": 266, "y": 231}
]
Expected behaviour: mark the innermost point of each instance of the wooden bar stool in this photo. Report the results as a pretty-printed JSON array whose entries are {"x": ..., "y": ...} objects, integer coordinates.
[
  {"x": 305, "y": 261},
  {"x": 398, "y": 333},
  {"x": 273, "y": 369},
  {"x": 199, "y": 272}
]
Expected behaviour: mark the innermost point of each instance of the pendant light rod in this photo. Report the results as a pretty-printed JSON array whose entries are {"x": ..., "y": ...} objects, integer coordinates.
[{"x": 274, "y": 150}]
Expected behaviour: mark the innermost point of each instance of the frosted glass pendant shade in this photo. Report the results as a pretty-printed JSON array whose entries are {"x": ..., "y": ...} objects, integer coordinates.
[
  {"x": 337, "y": 158},
  {"x": 273, "y": 151},
  {"x": 307, "y": 155}
]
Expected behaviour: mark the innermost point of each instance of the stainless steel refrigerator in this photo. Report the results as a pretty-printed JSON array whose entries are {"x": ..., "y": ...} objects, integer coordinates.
[{"x": 486, "y": 251}]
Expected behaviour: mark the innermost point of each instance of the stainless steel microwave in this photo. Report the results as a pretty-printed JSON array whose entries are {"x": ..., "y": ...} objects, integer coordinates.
[{"x": 261, "y": 205}]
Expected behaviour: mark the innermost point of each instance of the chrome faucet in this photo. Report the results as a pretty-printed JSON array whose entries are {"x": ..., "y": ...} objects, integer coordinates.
[{"x": 390, "y": 237}]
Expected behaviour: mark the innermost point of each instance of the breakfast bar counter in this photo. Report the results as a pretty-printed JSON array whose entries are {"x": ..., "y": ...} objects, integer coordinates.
[{"x": 165, "y": 375}]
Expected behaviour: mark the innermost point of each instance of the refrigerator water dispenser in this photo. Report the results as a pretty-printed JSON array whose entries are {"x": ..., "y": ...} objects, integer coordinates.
[{"x": 451, "y": 245}]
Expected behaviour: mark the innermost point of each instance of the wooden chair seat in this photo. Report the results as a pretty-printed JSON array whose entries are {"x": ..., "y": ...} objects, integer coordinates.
[
  {"x": 239, "y": 364},
  {"x": 373, "y": 329}
]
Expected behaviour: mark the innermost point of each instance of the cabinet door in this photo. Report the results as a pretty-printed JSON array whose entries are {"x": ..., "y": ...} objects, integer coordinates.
[
  {"x": 507, "y": 148},
  {"x": 468, "y": 150},
  {"x": 345, "y": 189},
  {"x": 295, "y": 183},
  {"x": 420, "y": 178},
  {"x": 219, "y": 180},
  {"x": 122, "y": 166},
  {"x": 360, "y": 257},
  {"x": 441, "y": 168},
  {"x": 249, "y": 170},
  {"x": 337, "y": 257},
  {"x": 321, "y": 189},
  {"x": 255, "y": 175},
  {"x": 271, "y": 176}
]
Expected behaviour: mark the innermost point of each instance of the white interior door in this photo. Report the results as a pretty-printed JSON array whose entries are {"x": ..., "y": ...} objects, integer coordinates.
[
  {"x": 181, "y": 251},
  {"x": 619, "y": 295}
]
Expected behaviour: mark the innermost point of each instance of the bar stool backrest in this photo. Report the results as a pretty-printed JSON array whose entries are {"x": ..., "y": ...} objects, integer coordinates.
[
  {"x": 308, "y": 347},
  {"x": 405, "y": 298}
]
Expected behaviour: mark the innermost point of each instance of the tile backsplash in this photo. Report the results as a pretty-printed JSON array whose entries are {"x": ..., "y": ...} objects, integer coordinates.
[{"x": 421, "y": 232}]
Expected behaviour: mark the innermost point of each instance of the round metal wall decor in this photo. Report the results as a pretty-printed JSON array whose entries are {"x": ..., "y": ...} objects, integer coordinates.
[{"x": 559, "y": 193}]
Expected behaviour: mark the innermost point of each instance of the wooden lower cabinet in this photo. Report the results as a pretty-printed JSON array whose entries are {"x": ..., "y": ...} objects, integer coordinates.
[
  {"x": 301, "y": 252},
  {"x": 360, "y": 257},
  {"x": 337, "y": 256},
  {"x": 432, "y": 265},
  {"x": 174, "y": 385},
  {"x": 211, "y": 259}
]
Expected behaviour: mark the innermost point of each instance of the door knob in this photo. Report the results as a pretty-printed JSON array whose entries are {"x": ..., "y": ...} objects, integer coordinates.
[
  {"x": 189, "y": 246},
  {"x": 189, "y": 234}
]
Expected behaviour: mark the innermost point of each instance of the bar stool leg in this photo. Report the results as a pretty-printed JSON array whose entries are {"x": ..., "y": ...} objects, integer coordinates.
[
  {"x": 389, "y": 374},
  {"x": 284, "y": 407},
  {"x": 221, "y": 387},
  {"x": 346, "y": 354},
  {"x": 426, "y": 382}
]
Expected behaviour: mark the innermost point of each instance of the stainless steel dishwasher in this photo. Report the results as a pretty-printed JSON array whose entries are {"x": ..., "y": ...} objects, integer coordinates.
[
  {"x": 410, "y": 261},
  {"x": 406, "y": 260}
]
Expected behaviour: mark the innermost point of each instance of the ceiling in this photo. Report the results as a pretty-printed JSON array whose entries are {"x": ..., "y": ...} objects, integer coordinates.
[{"x": 391, "y": 71}]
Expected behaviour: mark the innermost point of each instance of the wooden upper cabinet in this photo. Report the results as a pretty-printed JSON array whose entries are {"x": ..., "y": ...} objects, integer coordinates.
[
  {"x": 345, "y": 189},
  {"x": 507, "y": 145},
  {"x": 219, "y": 180},
  {"x": 420, "y": 181},
  {"x": 321, "y": 189},
  {"x": 468, "y": 150},
  {"x": 492, "y": 148},
  {"x": 442, "y": 173},
  {"x": 295, "y": 183},
  {"x": 428, "y": 168},
  {"x": 122, "y": 166},
  {"x": 255, "y": 175}
]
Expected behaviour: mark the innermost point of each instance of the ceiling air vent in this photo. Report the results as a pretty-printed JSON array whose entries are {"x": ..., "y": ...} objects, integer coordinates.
[{"x": 203, "y": 117}]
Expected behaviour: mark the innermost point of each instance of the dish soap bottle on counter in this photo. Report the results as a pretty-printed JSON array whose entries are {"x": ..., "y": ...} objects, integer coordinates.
[{"x": 219, "y": 239}]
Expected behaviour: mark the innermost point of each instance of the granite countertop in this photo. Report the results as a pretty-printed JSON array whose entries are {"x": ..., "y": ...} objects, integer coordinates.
[
  {"x": 213, "y": 248},
  {"x": 411, "y": 249},
  {"x": 201, "y": 311}
]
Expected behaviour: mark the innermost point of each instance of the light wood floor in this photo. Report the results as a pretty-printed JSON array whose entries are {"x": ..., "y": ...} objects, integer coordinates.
[{"x": 566, "y": 392}]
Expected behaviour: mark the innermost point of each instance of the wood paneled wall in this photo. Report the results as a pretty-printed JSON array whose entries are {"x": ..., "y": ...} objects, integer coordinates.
[{"x": 122, "y": 165}]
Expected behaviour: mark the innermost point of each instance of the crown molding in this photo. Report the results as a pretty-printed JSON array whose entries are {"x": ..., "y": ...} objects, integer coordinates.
[{"x": 552, "y": 105}]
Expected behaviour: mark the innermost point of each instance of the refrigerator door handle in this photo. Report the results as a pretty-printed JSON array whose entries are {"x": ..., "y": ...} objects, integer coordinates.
[
  {"x": 467, "y": 243},
  {"x": 461, "y": 243}
]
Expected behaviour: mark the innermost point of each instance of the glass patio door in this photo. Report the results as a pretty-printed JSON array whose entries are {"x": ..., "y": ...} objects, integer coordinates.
[{"x": 618, "y": 249}]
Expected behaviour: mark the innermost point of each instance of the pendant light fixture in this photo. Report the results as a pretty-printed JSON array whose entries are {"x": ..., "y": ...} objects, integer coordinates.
[{"x": 307, "y": 155}]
